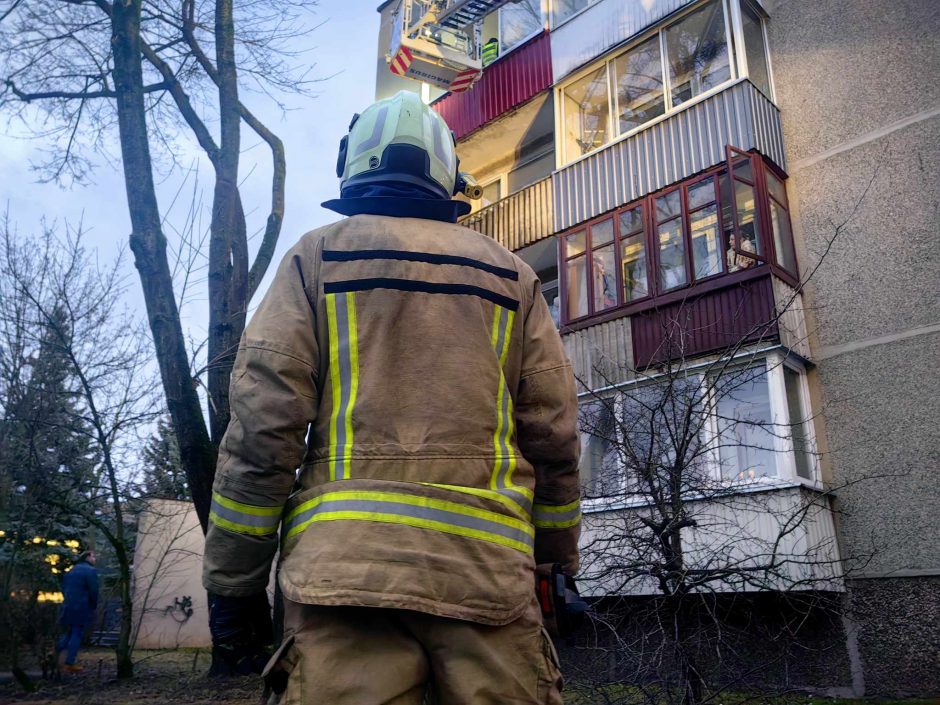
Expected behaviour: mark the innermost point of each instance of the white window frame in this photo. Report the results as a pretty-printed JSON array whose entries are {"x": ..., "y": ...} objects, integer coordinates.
[
  {"x": 551, "y": 13},
  {"x": 737, "y": 62},
  {"x": 774, "y": 361}
]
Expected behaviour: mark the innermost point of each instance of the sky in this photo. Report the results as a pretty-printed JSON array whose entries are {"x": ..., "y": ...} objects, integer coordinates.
[{"x": 344, "y": 51}]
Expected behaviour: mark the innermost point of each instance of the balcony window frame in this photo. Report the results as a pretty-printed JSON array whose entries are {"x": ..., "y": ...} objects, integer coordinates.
[
  {"x": 656, "y": 294},
  {"x": 524, "y": 40},
  {"x": 774, "y": 363},
  {"x": 737, "y": 62}
]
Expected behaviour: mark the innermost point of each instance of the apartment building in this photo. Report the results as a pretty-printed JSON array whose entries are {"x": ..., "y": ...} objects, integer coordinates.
[{"x": 759, "y": 175}]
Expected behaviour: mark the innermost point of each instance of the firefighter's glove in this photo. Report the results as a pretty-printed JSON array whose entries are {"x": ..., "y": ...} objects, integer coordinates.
[
  {"x": 563, "y": 610},
  {"x": 242, "y": 632}
]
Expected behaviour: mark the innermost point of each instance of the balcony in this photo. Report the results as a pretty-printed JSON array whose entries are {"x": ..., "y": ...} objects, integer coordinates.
[
  {"x": 675, "y": 147},
  {"x": 508, "y": 82},
  {"x": 788, "y": 527},
  {"x": 520, "y": 219}
]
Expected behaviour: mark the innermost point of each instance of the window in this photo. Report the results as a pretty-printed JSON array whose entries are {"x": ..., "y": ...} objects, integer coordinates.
[
  {"x": 755, "y": 49},
  {"x": 605, "y": 264},
  {"x": 587, "y": 114},
  {"x": 518, "y": 21},
  {"x": 746, "y": 426},
  {"x": 600, "y": 467},
  {"x": 563, "y": 9},
  {"x": 542, "y": 256},
  {"x": 697, "y": 53},
  {"x": 708, "y": 226},
  {"x": 659, "y": 74},
  {"x": 638, "y": 85}
]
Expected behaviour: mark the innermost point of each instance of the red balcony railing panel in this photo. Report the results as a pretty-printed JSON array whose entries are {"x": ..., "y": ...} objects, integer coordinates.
[
  {"x": 710, "y": 322},
  {"x": 509, "y": 81}
]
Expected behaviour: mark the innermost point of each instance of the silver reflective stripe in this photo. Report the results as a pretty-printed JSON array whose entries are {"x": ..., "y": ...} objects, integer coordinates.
[
  {"x": 413, "y": 511},
  {"x": 243, "y": 518},
  {"x": 550, "y": 516},
  {"x": 373, "y": 141},
  {"x": 344, "y": 373}
]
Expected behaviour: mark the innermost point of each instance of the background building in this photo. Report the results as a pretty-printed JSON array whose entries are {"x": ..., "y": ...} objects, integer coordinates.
[{"x": 759, "y": 176}]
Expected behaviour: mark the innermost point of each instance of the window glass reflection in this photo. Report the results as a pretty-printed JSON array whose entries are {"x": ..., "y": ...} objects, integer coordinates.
[
  {"x": 576, "y": 295},
  {"x": 671, "y": 255},
  {"x": 605, "y": 278},
  {"x": 635, "y": 284},
  {"x": 587, "y": 112},
  {"x": 697, "y": 53},
  {"x": 754, "y": 49},
  {"x": 706, "y": 243},
  {"x": 517, "y": 21},
  {"x": 638, "y": 81},
  {"x": 746, "y": 440}
]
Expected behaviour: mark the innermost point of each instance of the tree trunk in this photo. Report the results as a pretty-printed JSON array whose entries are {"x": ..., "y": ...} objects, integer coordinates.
[
  {"x": 148, "y": 244},
  {"x": 228, "y": 250}
]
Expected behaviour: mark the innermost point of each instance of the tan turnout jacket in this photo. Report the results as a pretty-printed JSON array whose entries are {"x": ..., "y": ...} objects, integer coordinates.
[{"x": 411, "y": 370}]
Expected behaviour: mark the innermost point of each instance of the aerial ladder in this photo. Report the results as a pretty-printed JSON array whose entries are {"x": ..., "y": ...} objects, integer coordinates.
[{"x": 439, "y": 41}]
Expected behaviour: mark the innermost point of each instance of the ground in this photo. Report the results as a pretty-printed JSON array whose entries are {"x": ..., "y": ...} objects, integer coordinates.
[
  {"x": 175, "y": 678},
  {"x": 179, "y": 678}
]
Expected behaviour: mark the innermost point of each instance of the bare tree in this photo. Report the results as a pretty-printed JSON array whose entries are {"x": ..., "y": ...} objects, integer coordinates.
[
  {"x": 156, "y": 71},
  {"x": 74, "y": 307}
]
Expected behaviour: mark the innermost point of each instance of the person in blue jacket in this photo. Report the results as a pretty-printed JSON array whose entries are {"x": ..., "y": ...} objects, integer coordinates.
[{"x": 80, "y": 590}]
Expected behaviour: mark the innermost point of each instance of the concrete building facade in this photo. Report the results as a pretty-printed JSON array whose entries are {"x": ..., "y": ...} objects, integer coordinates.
[{"x": 760, "y": 175}]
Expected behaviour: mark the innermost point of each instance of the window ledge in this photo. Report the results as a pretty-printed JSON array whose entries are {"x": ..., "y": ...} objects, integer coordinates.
[{"x": 597, "y": 506}]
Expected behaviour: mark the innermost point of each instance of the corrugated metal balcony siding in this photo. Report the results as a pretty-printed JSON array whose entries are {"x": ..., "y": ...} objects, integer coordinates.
[
  {"x": 518, "y": 220},
  {"x": 601, "y": 355},
  {"x": 706, "y": 323},
  {"x": 522, "y": 74},
  {"x": 603, "y": 26},
  {"x": 679, "y": 146}
]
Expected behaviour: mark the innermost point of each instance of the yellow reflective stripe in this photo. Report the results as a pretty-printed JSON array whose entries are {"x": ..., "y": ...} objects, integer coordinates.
[
  {"x": 416, "y": 501},
  {"x": 240, "y": 528},
  {"x": 556, "y": 516},
  {"x": 413, "y": 521},
  {"x": 493, "y": 495},
  {"x": 246, "y": 508},
  {"x": 334, "y": 378}
]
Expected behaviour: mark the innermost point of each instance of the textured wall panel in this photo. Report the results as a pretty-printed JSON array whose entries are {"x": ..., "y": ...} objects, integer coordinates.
[
  {"x": 679, "y": 146},
  {"x": 602, "y": 27},
  {"x": 706, "y": 323},
  {"x": 510, "y": 81},
  {"x": 601, "y": 355},
  {"x": 519, "y": 219}
]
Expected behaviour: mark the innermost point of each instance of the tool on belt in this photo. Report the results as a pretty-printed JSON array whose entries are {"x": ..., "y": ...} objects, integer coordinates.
[{"x": 563, "y": 610}]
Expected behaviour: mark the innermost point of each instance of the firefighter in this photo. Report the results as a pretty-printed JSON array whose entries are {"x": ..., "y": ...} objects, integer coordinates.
[{"x": 410, "y": 369}]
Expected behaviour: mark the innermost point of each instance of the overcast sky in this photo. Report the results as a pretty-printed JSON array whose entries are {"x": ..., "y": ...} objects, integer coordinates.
[{"x": 344, "y": 48}]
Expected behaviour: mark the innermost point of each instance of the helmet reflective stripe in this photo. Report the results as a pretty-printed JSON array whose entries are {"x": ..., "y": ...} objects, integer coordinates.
[
  {"x": 373, "y": 140},
  {"x": 400, "y": 139}
]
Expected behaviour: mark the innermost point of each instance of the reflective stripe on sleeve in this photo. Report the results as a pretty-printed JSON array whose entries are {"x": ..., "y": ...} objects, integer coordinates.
[
  {"x": 505, "y": 461},
  {"x": 550, "y": 516},
  {"x": 243, "y": 518},
  {"x": 411, "y": 510},
  {"x": 344, "y": 379}
]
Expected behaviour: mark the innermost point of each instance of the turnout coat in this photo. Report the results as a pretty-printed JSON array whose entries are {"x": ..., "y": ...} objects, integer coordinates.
[{"x": 412, "y": 372}]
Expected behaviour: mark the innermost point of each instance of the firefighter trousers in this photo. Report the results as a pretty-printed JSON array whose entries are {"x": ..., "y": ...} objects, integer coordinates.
[{"x": 375, "y": 656}]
